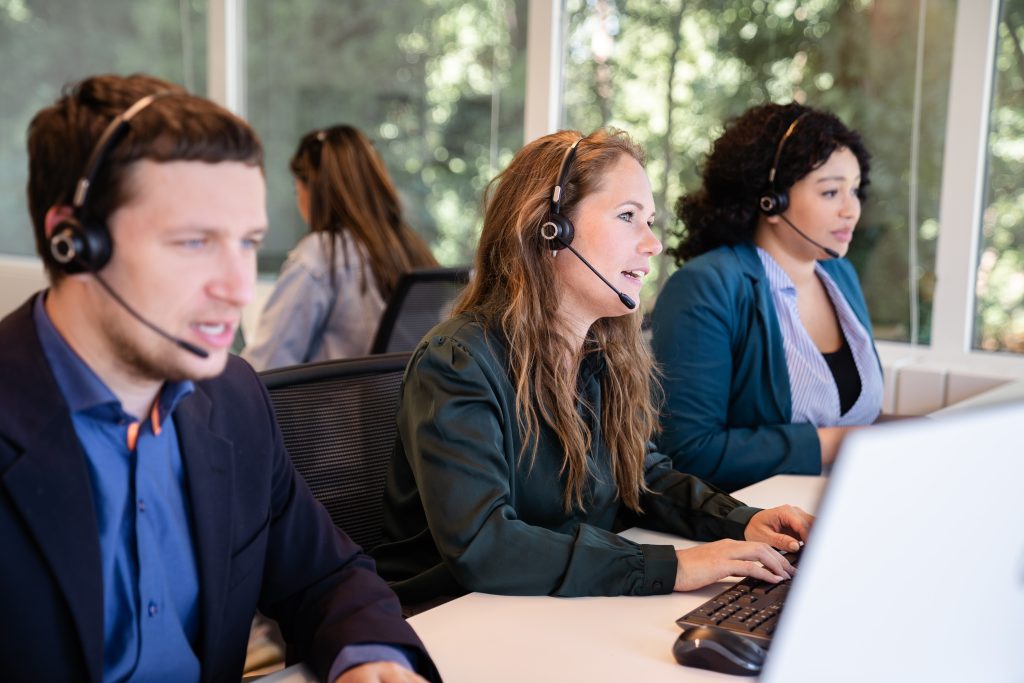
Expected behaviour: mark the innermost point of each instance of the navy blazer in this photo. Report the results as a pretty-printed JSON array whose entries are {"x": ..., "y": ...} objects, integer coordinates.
[
  {"x": 717, "y": 340},
  {"x": 261, "y": 539}
]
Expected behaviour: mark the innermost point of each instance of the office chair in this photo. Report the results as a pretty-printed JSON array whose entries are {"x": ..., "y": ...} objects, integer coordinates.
[
  {"x": 423, "y": 298},
  {"x": 338, "y": 422}
]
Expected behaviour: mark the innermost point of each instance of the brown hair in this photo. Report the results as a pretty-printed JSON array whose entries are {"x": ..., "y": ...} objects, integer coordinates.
[
  {"x": 350, "y": 193},
  {"x": 180, "y": 127},
  {"x": 512, "y": 291}
]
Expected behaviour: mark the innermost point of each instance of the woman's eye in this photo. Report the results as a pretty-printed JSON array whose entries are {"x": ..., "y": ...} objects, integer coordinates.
[
  {"x": 829, "y": 193},
  {"x": 627, "y": 216}
]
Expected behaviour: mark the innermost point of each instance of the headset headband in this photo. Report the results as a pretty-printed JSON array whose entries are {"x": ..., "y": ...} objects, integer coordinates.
[
  {"x": 563, "y": 176},
  {"x": 111, "y": 135},
  {"x": 778, "y": 149}
]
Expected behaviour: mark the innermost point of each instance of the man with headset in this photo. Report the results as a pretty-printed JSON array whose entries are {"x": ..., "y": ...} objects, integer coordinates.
[{"x": 147, "y": 504}]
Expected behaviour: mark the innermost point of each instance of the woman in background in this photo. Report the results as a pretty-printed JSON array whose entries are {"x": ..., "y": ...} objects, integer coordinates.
[
  {"x": 525, "y": 420},
  {"x": 763, "y": 335},
  {"x": 333, "y": 287}
]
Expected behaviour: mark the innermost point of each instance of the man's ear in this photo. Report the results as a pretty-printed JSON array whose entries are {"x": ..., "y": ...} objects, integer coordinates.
[{"x": 56, "y": 215}]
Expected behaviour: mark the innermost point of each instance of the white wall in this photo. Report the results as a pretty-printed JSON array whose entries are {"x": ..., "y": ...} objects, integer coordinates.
[{"x": 20, "y": 276}]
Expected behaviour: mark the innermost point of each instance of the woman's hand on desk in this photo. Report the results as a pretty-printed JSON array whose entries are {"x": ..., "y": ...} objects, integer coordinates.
[
  {"x": 380, "y": 672},
  {"x": 783, "y": 527},
  {"x": 705, "y": 564}
]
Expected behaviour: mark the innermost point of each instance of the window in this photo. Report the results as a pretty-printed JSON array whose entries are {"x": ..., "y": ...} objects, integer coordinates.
[
  {"x": 999, "y": 291},
  {"x": 438, "y": 87},
  {"x": 47, "y": 44},
  {"x": 670, "y": 71}
]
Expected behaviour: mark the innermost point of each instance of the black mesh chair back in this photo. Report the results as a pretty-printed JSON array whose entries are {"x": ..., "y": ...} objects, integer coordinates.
[
  {"x": 338, "y": 421},
  {"x": 423, "y": 298}
]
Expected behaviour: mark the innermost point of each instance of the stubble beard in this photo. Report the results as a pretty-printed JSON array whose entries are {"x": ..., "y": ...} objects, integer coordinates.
[{"x": 148, "y": 356}]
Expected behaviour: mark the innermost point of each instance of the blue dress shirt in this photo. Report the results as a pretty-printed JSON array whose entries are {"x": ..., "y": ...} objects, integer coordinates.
[{"x": 150, "y": 581}]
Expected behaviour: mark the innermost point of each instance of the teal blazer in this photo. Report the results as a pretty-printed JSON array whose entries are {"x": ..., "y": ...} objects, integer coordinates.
[{"x": 717, "y": 340}]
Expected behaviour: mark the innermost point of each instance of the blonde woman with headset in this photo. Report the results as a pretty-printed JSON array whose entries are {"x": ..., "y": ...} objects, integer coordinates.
[{"x": 525, "y": 420}]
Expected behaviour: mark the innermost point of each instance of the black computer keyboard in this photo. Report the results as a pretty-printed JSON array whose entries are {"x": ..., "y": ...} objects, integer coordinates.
[{"x": 750, "y": 607}]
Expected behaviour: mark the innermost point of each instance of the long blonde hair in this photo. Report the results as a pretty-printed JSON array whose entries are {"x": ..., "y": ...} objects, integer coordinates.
[{"x": 514, "y": 290}]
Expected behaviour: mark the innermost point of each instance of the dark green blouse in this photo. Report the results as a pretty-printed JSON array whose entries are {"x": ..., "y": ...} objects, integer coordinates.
[{"x": 463, "y": 514}]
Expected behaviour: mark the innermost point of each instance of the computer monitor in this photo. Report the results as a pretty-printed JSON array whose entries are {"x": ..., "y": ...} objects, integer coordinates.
[{"x": 914, "y": 570}]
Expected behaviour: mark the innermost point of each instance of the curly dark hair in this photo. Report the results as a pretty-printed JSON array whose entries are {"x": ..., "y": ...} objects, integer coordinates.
[{"x": 735, "y": 174}]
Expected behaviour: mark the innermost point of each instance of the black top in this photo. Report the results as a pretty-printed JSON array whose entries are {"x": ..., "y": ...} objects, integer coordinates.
[
  {"x": 463, "y": 512},
  {"x": 844, "y": 371}
]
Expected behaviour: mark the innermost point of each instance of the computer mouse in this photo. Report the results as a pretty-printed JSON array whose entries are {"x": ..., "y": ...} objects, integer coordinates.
[{"x": 711, "y": 648}]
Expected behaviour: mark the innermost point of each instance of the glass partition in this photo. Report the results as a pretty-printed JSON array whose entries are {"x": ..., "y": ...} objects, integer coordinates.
[
  {"x": 670, "y": 71},
  {"x": 437, "y": 86},
  {"x": 45, "y": 44},
  {"x": 999, "y": 291}
]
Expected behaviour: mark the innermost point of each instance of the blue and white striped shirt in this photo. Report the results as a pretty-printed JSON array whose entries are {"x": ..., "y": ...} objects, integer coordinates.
[{"x": 815, "y": 395}]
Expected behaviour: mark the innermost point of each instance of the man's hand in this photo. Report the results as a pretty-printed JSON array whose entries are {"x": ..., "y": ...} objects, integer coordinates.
[
  {"x": 380, "y": 672},
  {"x": 782, "y": 527}
]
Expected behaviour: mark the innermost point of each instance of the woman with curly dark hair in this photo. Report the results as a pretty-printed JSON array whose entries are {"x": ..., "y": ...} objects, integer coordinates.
[{"x": 763, "y": 334}]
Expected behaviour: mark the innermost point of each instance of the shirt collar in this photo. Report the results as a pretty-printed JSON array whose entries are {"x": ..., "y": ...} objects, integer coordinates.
[
  {"x": 82, "y": 388},
  {"x": 778, "y": 280}
]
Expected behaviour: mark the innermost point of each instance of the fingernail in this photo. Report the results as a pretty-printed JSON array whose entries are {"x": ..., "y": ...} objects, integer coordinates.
[{"x": 794, "y": 546}]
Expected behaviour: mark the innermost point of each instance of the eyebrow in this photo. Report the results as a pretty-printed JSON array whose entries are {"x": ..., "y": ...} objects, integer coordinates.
[
  {"x": 833, "y": 178},
  {"x": 187, "y": 231}
]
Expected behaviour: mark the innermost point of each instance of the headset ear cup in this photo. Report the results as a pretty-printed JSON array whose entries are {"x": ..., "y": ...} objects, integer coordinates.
[
  {"x": 67, "y": 246},
  {"x": 773, "y": 203},
  {"x": 558, "y": 231},
  {"x": 76, "y": 248},
  {"x": 100, "y": 246}
]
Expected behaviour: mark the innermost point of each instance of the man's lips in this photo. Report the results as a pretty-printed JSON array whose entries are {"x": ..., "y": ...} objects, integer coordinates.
[{"x": 218, "y": 334}]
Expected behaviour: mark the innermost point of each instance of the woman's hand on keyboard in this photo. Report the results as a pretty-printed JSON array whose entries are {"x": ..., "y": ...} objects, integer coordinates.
[
  {"x": 705, "y": 564},
  {"x": 783, "y": 527}
]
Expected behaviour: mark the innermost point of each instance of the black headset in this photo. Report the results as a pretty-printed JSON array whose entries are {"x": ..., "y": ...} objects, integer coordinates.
[
  {"x": 773, "y": 201},
  {"x": 79, "y": 244},
  {"x": 558, "y": 230}
]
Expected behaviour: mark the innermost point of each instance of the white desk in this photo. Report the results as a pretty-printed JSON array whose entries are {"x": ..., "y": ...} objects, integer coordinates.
[{"x": 497, "y": 638}]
